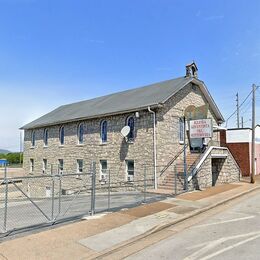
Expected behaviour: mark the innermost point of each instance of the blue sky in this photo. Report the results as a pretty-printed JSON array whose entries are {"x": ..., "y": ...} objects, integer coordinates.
[{"x": 56, "y": 52}]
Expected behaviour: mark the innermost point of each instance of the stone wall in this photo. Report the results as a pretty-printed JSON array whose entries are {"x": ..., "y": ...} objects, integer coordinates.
[
  {"x": 168, "y": 144},
  {"x": 228, "y": 169},
  {"x": 116, "y": 150}
]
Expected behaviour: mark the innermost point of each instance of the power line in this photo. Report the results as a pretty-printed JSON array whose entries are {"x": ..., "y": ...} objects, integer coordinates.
[{"x": 239, "y": 106}]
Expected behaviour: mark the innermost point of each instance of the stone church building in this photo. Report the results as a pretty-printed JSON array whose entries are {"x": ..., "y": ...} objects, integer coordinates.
[{"x": 72, "y": 136}]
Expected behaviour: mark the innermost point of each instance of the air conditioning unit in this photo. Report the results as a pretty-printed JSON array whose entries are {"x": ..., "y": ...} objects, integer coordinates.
[
  {"x": 103, "y": 177},
  {"x": 130, "y": 178}
]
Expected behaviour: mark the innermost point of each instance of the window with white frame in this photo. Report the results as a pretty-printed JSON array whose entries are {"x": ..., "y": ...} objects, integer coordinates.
[
  {"x": 79, "y": 166},
  {"x": 45, "y": 137},
  {"x": 33, "y": 138},
  {"x": 44, "y": 166},
  {"x": 103, "y": 170},
  {"x": 130, "y": 170},
  {"x": 131, "y": 123},
  {"x": 80, "y": 133},
  {"x": 181, "y": 130},
  {"x": 103, "y": 131},
  {"x": 61, "y": 166},
  {"x": 62, "y": 135},
  {"x": 31, "y": 165}
]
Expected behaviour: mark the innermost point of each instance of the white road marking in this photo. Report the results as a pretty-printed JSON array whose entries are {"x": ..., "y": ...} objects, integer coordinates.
[
  {"x": 210, "y": 245},
  {"x": 224, "y": 221},
  {"x": 230, "y": 247}
]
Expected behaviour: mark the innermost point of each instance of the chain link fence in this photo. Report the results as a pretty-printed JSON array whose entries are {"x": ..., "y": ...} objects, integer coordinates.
[{"x": 38, "y": 200}]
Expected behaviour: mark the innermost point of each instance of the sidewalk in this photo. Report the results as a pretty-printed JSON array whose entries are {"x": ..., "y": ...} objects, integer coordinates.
[{"x": 95, "y": 236}]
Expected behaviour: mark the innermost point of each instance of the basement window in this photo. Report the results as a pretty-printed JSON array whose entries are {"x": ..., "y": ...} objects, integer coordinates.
[
  {"x": 61, "y": 166},
  {"x": 44, "y": 166},
  {"x": 103, "y": 170},
  {"x": 31, "y": 165},
  {"x": 79, "y": 166},
  {"x": 130, "y": 170}
]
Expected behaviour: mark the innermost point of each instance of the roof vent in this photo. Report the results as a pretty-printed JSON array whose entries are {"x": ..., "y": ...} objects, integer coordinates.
[{"x": 191, "y": 70}]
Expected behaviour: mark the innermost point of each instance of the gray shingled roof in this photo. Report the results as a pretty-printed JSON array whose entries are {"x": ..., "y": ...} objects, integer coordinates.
[{"x": 120, "y": 102}]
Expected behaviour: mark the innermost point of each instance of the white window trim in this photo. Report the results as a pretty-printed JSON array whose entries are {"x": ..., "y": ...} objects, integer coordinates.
[
  {"x": 61, "y": 171},
  {"x": 128, "y": 175},
  {"x": 101, "y": 173},
  {"x": 78, "y": 171},
  {"x": 44, "y": 166}
]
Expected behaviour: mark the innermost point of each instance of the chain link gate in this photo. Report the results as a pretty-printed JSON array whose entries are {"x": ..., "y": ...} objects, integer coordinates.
[
  {"x": 41, "y": 200},
  {"x": 44, "y": 200}
]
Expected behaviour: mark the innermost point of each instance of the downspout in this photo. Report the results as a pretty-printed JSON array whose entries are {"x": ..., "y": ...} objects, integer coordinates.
[{"x": 154, "y": 147}]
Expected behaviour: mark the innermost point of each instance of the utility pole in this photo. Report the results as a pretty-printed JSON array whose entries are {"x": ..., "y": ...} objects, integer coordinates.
[
  {"x": 21, "y": 148},
  {"x": 237, "y": 100},
  {"x": 242, "y": 121},
  {"x": 253, "y": 136}
]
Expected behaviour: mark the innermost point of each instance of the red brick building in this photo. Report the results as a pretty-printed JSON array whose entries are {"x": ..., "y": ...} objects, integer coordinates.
[{"x": 239, "y": 142}]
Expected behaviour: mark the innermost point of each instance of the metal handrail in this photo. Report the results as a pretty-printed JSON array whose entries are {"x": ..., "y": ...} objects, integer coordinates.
[{"x": 173, "y": 160}]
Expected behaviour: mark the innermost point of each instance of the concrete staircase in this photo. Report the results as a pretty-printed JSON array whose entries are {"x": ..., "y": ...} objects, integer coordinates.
[{"x": 173, "y": 178}]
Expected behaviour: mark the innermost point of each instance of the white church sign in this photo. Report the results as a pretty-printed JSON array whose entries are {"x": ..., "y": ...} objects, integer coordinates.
[{"x": 201, "y": 128}]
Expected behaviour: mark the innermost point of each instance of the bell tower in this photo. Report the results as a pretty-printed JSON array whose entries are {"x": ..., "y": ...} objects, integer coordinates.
[{"x": 192, "y": 70}]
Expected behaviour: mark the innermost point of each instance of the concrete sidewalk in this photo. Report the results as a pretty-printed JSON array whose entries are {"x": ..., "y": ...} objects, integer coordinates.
[{"x": 100, "y": 234}]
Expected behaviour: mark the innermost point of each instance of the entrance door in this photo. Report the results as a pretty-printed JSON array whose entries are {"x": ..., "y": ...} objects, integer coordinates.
[
  {"x": 214, "y": 174},
  {"x": 216, "y": 166}
]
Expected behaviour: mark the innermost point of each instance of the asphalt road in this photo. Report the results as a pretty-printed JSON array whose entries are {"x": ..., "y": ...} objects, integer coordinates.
[
  {"x": 232, "y": 234},
  {"x": 23, "y": 213}
]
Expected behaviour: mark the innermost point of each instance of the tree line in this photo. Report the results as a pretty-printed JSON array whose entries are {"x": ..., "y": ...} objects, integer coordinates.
[{"x": 12, "y": 158}]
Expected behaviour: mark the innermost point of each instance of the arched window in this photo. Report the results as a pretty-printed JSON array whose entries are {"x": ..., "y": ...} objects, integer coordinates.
[
  {"x": 131, "y": 124},
  {"x": 181, "y": 130},
  {"x": 45, "y": 137},
  {"x": 62, "y": 135},
  {"x": 103, "y": 131},
  {"x": 80, "y": 133},
  {"x": 33, "y": 138}
]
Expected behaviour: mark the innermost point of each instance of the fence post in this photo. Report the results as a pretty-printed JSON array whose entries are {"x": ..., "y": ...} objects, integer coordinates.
[
  {"x": 145, "y": 184},
  {"x": 93, "y": 189},
  {"x": 108, "y": 206},
  {"x": 6, "y": 198},
  {"x": 52, "y": 194},
  {"x": 60, "y": 175}
]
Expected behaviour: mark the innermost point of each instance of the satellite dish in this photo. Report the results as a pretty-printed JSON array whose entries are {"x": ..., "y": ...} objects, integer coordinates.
[{"x": 125, "y": 131}]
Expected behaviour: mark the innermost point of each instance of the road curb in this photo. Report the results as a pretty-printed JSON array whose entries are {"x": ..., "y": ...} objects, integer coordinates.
[{"x": 174, "y": 222}]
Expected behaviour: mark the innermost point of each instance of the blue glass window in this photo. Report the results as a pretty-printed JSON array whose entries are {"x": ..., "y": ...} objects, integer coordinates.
[
  {"x": 81, "y": 133},
  {"x": 131, "y": 124},
  {"x": 33, "y": 138},
  {"x": 45, "y": 137},
  {"x": 103, "y": 132},
  {"x": 62, "y": 135},
  {"x": 181, "y": 130}
]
